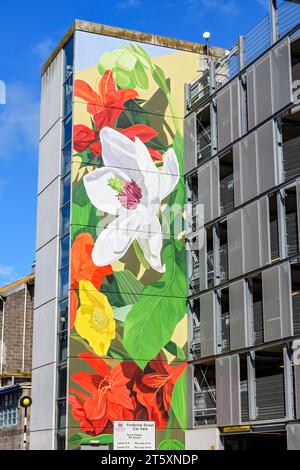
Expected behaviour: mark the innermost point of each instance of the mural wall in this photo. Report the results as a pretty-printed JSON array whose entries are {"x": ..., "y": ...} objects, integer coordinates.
[{"x": 128, "y": 313}]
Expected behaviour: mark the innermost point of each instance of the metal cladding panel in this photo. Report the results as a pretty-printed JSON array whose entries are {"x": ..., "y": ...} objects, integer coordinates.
[
  {"x": 235, "y": 394},
  {"x": 263, "y": 94},
  {"x": 235, "y": 110},
  {"x": 49, "y": 156},
  {"x": 215, "y": 188},
  {"x": 249, "y": 167},
  {"x": 190, "y": 142},
  {"x": 293, "y": 436},
  {"x": 204, "y": 190},
  {"x": 43, "y": 398},
  {"x": 251, "y": 236},
  {"x": 224, "y": 117},
  {"x": 238, "y": 315},
  {"x": 52, "y": 80},
  {"x": 46, "y": 273},
  {"x": 48, "y": 214},
  {"x": 297, "y": 389},
  {"x": 237, "y": 174},
  {"x": 207, "y": 332},
  {"x": 251, "y": 97},
  {"x": 298, "y": 209},
  {"x": 281, "y": 75},
  {"x": 44, "y": 347},
  {"x": 235, "y": 244},
  {"x": 286, "y": 300},
  {"x": 202, "y": 261},
  {"x": 271, "y": 304},
  {"x": 223, "y": 389},
  {"x": 264, "y": 232},
  {"x": 266, "y": 157}
]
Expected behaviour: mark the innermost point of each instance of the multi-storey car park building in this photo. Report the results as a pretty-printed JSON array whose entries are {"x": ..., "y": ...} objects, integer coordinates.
[
  {"x": 242, "y": 137},
  {"x": 126, "y": 326}
]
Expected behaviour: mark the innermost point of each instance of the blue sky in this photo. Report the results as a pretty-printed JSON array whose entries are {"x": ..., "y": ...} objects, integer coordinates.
[{"x": 29, "y": 31}]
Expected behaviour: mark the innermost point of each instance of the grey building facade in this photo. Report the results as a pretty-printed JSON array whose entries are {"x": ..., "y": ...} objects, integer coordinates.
[{"x": 242, "y": 137}]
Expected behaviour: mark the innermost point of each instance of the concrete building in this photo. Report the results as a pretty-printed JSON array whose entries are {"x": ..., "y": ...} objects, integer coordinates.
[
  {"x": 113, "y": 166},
  {"x": 243, "y": 169},
  {"x": 16, "y": 322}
]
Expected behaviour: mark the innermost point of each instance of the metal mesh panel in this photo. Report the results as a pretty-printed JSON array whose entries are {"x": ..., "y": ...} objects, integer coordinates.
[
  {"x": 204, "y": 192},
  {"x": 251, "y": 98},
  {"x": 251, "y": 237},
  {"x": 237, "y": 302},
  {"x": 190, "y": 142},
  {"x": 237, "y": 175},
  {"x": 248, "y": 165},
  {"x": 207, "y": 332},
  {"x": 291, "y": 158},
  {"x": 281, "y": 75},
  {"x": 235, "y": 244},
  {"x": 224, "y": 118},
  {"x": 235, "y": 110},
  {"x": 266, "y": 157},
  {"x": 271, "y": 304},
  {"x": 263, "y": 90}
]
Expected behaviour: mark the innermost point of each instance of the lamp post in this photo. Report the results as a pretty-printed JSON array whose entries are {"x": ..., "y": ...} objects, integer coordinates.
[{"x": 25, "y": 402}]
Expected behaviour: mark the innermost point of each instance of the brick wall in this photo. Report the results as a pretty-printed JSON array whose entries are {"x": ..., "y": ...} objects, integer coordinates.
[{"x": 12, "y": 438}]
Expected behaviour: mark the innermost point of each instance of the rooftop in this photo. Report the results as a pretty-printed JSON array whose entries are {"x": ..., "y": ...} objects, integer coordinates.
[
  {"x": 27, "y": 279},
  {"x": 131, "y": 35}
]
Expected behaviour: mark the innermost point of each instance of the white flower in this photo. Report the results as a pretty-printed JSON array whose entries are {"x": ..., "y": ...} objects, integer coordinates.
[{"x": 130, "y": 187}]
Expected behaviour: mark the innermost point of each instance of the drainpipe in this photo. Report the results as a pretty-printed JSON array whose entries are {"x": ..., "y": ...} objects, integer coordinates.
[
  {"x": 2, "y": 335},
  {"x": 273, "y": 21},
  {"x": 24, "y": 327}
]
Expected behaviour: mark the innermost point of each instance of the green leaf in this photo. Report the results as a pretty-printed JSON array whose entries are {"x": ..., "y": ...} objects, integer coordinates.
[
  {"x": 176, "y": 350},
  {"x": 179, "y": 400},
  {"x": 102, "y": 439},
  {"x": 160, "y": 79},
  {"x": 123, "y": 78},
  {"x": 120, "y": 313},
  {"x": 130, "y": 288},
  {"x": 76, "y": 439},
  {"x": 111, "y": 290},
  {"x": 83, "y": 213},
  {"x": 171, "y": 444},
  {"x": 140, "y": 76},
  {"x": 141, "y": 53},
  {"x": 151, "y": 322},
  {"x": 109, "y": 59}
]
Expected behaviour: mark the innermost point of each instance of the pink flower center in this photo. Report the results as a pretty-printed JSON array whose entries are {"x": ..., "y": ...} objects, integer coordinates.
[{"x": 130, "y": 195}]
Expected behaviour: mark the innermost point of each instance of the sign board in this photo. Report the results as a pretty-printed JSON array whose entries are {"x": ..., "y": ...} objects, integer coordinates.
[{"x": 134, "y": 435}]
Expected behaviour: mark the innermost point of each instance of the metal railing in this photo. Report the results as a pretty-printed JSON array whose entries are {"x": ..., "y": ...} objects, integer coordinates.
[{"x": 254, "y": 43}]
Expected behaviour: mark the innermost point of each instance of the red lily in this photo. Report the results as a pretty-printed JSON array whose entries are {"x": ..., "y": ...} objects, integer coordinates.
[
  {"x": 84, "y": 137},
  {"x": 106, "y": 105},
  {"x": 106, "y": 396},
  {"x": 83, "y": 268},
  {"x": 154, "y": 390}
]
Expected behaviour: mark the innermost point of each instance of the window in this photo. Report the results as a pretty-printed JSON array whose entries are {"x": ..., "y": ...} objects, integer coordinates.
[
  {"x": 295, "y": 280},
  {"x": 203, "y": 134},
  {"x": 67, "y": 129},
  {"x": 195, "y": 268},
  {"x": 194, "y": 305},
  {"x": 256, "y": 309},
  {"x": 64, "y": 251},
  {"x": 66, "y": 159},
  {"x": 204, "y": 394},
  {"x": 273, "y": 220},
  {"x": 64, "y": 282},
  {"x": 65, "y": 220},
  {"x": 192, "y": 193},
  {"x": 61, "y": 414},
  {"x": 291, "y": 221},
  {"x": 65, "y": 189},
  {"x": 69, "y": 59},
  {"x": 68, "y": 95},
  {"x": 62, "y": 381},
  {"x": 9, "y": 409},
  {"x": 226, "y": 183},
  {"x": 63, "y": 315}
]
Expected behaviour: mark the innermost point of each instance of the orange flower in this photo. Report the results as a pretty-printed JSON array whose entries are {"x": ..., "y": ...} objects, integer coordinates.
[
  {"x": 106, "y": 105},
  {"x": 83, "y": 268}
]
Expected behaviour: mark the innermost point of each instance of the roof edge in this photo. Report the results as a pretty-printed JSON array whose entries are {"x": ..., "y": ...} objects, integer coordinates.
[{"x": 154, "y": 39}]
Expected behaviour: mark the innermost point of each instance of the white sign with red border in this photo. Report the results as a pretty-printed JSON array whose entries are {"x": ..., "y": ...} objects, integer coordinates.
[{"x": 134, "y": 435}]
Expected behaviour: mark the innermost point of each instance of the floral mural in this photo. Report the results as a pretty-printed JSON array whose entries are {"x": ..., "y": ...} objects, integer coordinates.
[{"x": 128, "y": 314}]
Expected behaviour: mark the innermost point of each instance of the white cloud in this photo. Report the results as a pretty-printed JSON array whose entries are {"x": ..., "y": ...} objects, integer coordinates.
[
  {"x": 128, "y": 4},
  {"x": 7, "y": 273},
  {"x": 43, "y": 49},
  {"x": 19, "y": 122}
]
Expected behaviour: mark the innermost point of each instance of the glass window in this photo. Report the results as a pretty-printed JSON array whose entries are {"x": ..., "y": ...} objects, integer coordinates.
[
  {"x": 65, "y": 220},
  {"x": 63, "y": 315},
  {"x": 66, "y": 189},
  {"x": 66, "y": 159},
  {"x": 62, "y": 381},
  {"x": 64, "y": 282},
  {"x": 9, "y": 413},
  {"x": 68, "y": 95},
  {"x": 63, "y": 346},
  {"x": 204, "y": 394},
  {"x": 64, "y": 251},
  {"x": 61, "y": 441},
  {"x": 61, "y": 418},
  {"x": 67, "y": 129},
  {"x": 69, "y": 59}
]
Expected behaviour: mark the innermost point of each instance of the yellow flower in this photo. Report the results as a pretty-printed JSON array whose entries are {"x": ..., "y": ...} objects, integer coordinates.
[{"x": 95, "y": 321}]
